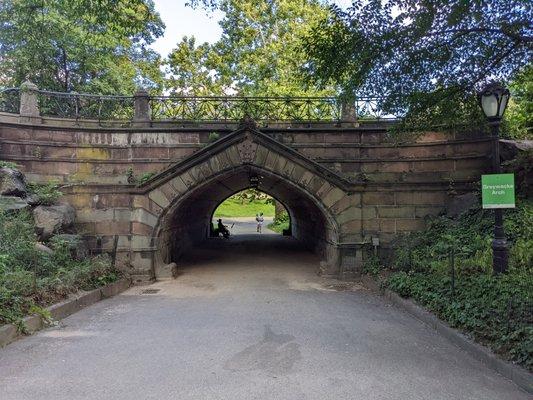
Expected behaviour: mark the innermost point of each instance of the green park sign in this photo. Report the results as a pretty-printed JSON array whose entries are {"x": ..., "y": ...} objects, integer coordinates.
[{"x": 497, "y": 191}]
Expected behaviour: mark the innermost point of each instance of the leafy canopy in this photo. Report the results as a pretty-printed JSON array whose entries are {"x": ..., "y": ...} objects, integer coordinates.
[
  {"x": 97, "y": 46},
  {"x": 428, "y": 57},
  {"x": 260, "y": 52}
]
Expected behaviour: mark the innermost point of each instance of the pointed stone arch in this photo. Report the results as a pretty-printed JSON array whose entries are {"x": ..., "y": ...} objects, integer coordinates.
[{"x": 322, "y": 207}]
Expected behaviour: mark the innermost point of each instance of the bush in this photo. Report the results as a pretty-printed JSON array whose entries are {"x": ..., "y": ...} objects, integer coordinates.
[
  {"x": 8, "y": 164},
  {"x": 495, "y": 310},
  {"x": 281, "y": 223},
  {"x": 31, "y": 279},
  {"x": 45, "y": 194}
]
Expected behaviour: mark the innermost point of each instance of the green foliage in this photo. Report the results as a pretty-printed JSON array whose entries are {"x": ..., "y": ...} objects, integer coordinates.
[
  {"x": 144, "y": 177},
  {"x": 8, "y": 164},
  {"x": 371, "y": 263},
  {"x": 493, "y": 309},
  {"x": 190, "y": 69},
  {"x": 45, "y": 193},
  {"x": 260, "y": 52},
  {"x": 138, "y": 179},
  {"x": 281, "y": 223},
  {"x": 522, "y": 168},
  {"x": 96, "y": 46},
  {"x": 246, "y": 203},
  {"x": 213, "y": 137},
  {"x": 518, "y": 123},
  {"x": 31, "y": 279},
  {"x": 427, "y": 57}
]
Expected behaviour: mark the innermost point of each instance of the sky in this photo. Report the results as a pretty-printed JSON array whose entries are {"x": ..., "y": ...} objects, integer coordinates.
[{"x": 184, "y": 21}]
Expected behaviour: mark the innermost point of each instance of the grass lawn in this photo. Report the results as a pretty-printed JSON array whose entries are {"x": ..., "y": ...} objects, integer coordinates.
[{"x": 233, "y": 208}]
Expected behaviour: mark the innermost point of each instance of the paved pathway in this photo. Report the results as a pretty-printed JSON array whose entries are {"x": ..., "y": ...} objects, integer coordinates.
[
  {"x": 243, "y": 322},
  {"x": 246, "y": 225}
]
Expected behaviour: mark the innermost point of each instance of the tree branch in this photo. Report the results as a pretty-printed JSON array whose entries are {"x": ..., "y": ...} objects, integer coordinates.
[{"x": 504, "y": 31}]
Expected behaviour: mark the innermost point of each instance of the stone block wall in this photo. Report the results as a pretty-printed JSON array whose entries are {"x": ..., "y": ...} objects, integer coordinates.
[{"x": 370, "y": 184}]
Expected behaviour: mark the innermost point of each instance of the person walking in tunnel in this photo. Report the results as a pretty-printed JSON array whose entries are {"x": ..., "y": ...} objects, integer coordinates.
[
  {"x": 223, "y": 229},
  {"x": 259, "y": 218}
]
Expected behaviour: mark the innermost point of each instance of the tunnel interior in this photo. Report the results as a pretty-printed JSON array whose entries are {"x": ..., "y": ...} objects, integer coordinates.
[
  {"x": 251, "y": 204},
  {"x": 187, "y": 221}
]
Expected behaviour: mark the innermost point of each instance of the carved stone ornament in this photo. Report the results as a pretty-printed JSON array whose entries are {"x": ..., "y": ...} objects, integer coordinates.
[{"x": 247, "y": 149}]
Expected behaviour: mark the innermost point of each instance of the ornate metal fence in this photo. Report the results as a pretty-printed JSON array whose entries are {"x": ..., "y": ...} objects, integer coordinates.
[
  {"x": 10, "y": 100},
  {"x": 236, "y": 108},
  {"x": 191, "y": 108},
  {"x": 85, "y": 106}
]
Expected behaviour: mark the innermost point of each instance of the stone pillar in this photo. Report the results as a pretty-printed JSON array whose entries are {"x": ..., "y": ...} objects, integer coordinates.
[
  {"x": 348, "y": 114},
  {"x": 142, "y": 113},
  {"x": 29, "y": 103}
]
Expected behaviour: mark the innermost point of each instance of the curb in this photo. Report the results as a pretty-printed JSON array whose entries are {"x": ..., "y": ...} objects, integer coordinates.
[
  {"x": 9, "y": 333},
  {"x": 521, "y": 377}
]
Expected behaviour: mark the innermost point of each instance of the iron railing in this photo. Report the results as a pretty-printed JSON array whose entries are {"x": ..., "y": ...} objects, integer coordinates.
[
  {"x": 199, "y": 108},
  {"x": 85, "y": 106},
  {"x": 265, "y": 109},
  {"x": 10, "y": 100}
]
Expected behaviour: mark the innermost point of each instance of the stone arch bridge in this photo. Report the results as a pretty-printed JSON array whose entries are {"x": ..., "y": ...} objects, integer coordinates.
[{"x": 343, "y": 178}]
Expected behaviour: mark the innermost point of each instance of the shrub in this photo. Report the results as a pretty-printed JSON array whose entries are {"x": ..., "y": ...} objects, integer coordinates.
[
  {"x": 45, "y": 193},
  {"x": 281, "y": 223},
  {"x": 31, "y": 279},
  {"x": 8, "y": 164},
  {"x": 495, "y": 310}
]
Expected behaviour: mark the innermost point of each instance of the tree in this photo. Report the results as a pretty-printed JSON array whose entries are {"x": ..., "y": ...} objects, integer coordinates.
[
  {"x": 97, "y": 46},
  {"x": 519, "y": 123},
  {"x": 260, "y": 51},
  {"x": 425, "y": 57},
  {"x": 192, "y": 69}
]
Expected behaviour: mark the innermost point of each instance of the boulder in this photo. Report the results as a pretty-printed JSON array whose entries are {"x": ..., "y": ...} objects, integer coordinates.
[
  {"x": 510, "y": 149},
  {"x": 53, "y": 219},
  {"x": 78, "y": 247},
  {"x": 12, "y": 183},
  {"x": 461, "y": 203},
  {"x": 12, "y": 203},
  {"x": 32, "y": 199},
  {"x": 43, "y": 248}
]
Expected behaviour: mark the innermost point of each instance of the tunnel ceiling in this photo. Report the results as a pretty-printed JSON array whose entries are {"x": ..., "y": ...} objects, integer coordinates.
[{"x": 203, "y": 201}]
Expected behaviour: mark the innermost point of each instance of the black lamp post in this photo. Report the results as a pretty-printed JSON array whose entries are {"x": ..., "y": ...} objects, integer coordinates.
[{"x": 493, "y": 100}]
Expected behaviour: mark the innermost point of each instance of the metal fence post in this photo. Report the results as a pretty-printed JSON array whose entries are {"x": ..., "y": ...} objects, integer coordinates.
[{"x": 452, "y": 270}]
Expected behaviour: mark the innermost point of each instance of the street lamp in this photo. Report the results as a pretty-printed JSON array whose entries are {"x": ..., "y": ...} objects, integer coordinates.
[{"x": 493, "y": 100}]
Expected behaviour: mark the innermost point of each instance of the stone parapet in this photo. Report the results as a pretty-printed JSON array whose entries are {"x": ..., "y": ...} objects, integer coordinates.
[{"x": 136, "y": 188}]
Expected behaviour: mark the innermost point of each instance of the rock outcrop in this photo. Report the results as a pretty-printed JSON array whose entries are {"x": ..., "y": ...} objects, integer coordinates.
[
  {"x": 510, "y": 149},
  {"x": 13, "y": 203},
  {"x": 12, "y": 183},
  {"x": 53, "y": 219}
]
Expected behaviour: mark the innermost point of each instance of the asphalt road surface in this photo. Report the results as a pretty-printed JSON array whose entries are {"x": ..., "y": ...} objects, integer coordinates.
[
  {"x": 247, "y": 318},
  {"x": 246, "y": 225}
]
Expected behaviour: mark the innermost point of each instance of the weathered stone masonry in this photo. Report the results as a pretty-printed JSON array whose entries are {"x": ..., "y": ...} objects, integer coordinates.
[{"x": 342, "y": 184}]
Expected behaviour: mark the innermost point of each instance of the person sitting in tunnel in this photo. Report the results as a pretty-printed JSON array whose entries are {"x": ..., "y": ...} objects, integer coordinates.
[{"x": 223, "y": 229}]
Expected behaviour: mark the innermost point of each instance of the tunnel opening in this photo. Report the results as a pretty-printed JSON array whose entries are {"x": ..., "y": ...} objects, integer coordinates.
[
  {"x": 250, "y": 212},
  {"x": 186, "y": 223}
]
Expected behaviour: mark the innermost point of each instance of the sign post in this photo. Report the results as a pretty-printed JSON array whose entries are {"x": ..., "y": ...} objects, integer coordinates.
[{"x": 498, "y": 191}]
